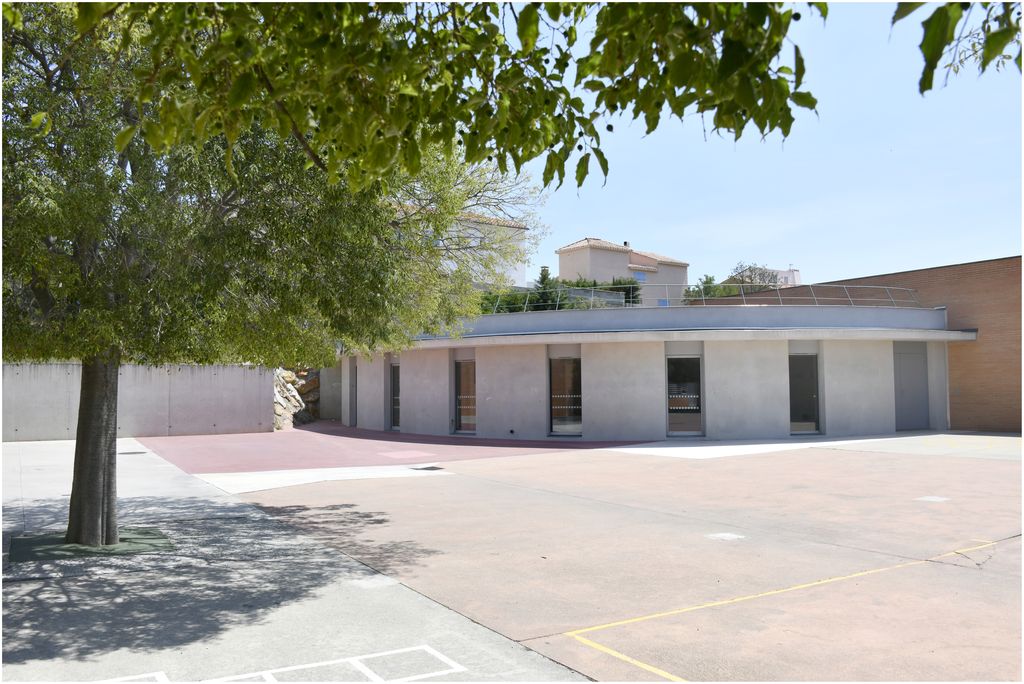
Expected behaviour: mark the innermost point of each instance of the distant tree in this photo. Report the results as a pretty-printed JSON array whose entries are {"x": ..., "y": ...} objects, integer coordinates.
[
  {"x": 754, "y": 277},
  {"x": 707, "y": 288}
]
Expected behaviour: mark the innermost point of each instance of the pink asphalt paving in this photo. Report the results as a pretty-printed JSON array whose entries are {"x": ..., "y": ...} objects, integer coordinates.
[{"x": 328, "y": 444}]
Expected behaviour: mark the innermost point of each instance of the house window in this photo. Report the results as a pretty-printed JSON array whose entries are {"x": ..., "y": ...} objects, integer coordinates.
[
  {"x": 640, "y": 276},
  {"x": 566, "y": 399},
  {"x": 465, "y": 396}
]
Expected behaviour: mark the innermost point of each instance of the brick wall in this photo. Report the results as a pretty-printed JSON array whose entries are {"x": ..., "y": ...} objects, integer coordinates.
[{"x": 984, "y": 375}]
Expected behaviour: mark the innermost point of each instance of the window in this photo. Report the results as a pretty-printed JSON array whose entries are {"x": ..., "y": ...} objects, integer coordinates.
[
  {"x": 395, "y": 394},
  {"x": 465, "y": 396},
  {"x": 684, "y": 400},
  {"x": 566, "y": 397},
  {"x": 640, "y": 276}
]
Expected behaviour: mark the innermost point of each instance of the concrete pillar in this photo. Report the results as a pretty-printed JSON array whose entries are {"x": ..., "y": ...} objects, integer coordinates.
[
  {"x": 624, "y": 391},
  {"x": 512, "y": 391},
  {"x": 746, "y": 388}
]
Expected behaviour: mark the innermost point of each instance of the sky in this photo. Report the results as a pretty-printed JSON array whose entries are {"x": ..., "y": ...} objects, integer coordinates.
[{"x": 880, "y": 180}]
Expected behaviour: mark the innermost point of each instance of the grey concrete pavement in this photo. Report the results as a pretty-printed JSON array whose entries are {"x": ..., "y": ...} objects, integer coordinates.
[
  {"x": 879, "y": 562},
  {"x": 242, "y": 593}
]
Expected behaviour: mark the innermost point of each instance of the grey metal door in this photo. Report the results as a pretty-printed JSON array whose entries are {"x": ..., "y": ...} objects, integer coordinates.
[{"x": 911, "y": 371}]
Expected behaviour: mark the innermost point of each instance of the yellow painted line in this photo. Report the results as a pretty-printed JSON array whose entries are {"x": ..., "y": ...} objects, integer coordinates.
[
  {"x": 725, "y": 602},
  {"x": 625, "y": 658},
  {"x": 575, "y": 634},
  {"x": 774, "y": 592}
]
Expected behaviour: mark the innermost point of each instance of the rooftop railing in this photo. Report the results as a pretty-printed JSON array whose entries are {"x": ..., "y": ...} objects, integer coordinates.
[{"x": 665, "y": 295}]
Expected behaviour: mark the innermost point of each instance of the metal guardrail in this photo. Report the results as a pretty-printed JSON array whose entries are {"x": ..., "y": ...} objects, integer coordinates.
[{"x": 669, "y": 295}]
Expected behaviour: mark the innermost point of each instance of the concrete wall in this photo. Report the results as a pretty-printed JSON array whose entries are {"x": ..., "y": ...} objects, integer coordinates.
[
  {"x": 40, "y": 401},
  {"x": 705, "y": 318},
  {"x": 372, "y": 387},
  {"x": 624, "y": 393},
  {"x": 512, "y": 392},
  {"x": 332, "y": 388},
  {"x": 938, "y": 387},
  {"x": 426, "y": 392},
  {"x": 858, "y": 386},
  {"x": 746, "y": 388}
]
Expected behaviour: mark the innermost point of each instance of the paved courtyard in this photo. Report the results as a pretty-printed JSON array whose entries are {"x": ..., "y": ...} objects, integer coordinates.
[{"x": 876, "y": 559}]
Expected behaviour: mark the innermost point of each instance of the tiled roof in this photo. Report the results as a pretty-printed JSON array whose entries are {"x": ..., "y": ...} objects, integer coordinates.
[
  {"x": 596, "y": 243},
  {"x": 661, "y": 259}
]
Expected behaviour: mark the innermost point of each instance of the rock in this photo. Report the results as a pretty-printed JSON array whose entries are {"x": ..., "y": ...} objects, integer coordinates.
[
  {"x": 287, "y": 401},
  {"x": 312, "y": 398},
  {"x": 302, "y": 417},
  {"x": 308, "y": 386}
]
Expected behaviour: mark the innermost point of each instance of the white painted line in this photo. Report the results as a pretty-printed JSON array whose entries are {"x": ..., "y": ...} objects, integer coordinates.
[
  {"x": 932, "y": 499},
  {"x": 375, "y": 581},
  {"x": 237, "y": 483},
  {"x": 354, "y": 661},
  {"x": 725, "y": 536}
]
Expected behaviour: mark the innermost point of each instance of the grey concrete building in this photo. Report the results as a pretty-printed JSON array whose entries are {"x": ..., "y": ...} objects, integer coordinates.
[{"x": 764, "y": 370}]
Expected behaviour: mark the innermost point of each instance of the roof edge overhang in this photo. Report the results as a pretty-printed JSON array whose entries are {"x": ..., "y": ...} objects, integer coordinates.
[{"x": 717, "y": 335}]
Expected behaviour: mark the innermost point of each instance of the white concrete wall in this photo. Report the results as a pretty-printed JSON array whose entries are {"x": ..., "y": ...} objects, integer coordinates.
[
  {"x": 332, "y": 389},
  {"x": 40, "y": 401},
  {"x": 624, "y": 394},
  {"x": 372, "y": 385},
  {"x": 938, "y": 386},
  {"x": 144, "y": 400},
  {"x": 512, "y": 392},
  {"x": 746, "y": 389},
  {"x": 426, "y": 392},
  {"x": 858, "y": 384}
]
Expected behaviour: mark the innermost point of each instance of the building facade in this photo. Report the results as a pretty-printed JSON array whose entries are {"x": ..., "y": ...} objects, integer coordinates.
[
  {"x": 984, "y": 375},
  {"x": 663, "y": 279},
  {"x": 646, "y": 373}
]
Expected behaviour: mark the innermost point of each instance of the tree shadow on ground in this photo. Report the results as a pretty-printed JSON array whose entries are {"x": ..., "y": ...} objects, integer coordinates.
[
  {"x": 344, "y": 528},
  {"x": 232, "y": 566}
]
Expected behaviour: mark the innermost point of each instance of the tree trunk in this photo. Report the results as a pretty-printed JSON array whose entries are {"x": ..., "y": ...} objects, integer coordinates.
[{"x": 92, "y": 518}]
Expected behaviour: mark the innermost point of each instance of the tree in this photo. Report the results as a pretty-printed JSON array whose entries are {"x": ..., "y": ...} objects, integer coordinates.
[
  {"x": 707, "y": 288},
  {"x": 136, "y": 255},
  {"x": 365, "y": 88},
  {"x": 754, "y": 277}
]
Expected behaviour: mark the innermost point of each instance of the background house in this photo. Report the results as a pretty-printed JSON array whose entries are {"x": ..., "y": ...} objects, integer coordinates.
[{"x": 663, "y": 278}]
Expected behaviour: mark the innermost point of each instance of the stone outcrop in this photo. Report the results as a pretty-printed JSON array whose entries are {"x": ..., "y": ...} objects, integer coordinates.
[{"x": 296, "y": 397}]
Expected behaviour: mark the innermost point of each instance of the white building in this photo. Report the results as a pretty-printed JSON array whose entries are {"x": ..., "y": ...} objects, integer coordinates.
[
  {"x": 663, "y": 278},
  {"x": 738, "y": 371}
]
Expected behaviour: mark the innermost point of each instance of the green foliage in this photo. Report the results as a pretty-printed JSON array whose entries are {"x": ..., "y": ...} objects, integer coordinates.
[
  {"x": 550, "y": 294},
  {"x": 958, "y": 32},
  {"x": 706, "y": 288},
  {"x": 167, "y": 257},
  {"x": 365, "y": 88}
]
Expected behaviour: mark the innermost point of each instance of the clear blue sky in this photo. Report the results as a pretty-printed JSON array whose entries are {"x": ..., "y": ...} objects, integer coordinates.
[{"x": 881, "y": 180}]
